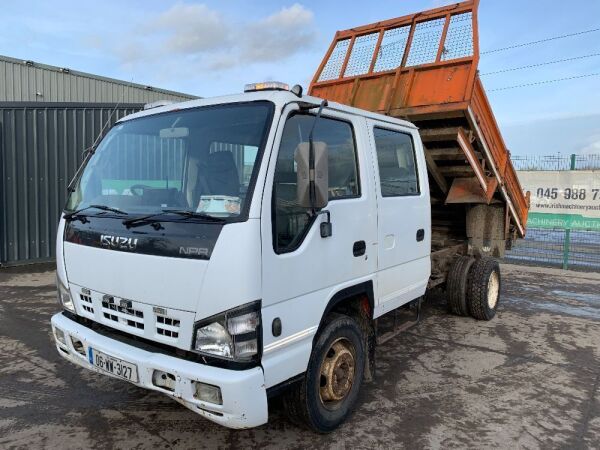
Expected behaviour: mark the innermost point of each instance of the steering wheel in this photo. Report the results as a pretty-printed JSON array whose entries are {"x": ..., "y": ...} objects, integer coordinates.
[{"x": 137, "y": 187}]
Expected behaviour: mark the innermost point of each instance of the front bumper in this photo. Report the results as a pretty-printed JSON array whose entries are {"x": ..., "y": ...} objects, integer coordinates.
[{"x": 243, "y": 391}]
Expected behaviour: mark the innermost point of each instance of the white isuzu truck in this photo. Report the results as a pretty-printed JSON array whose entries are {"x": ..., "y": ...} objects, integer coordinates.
[{"x": 224, "y": 250}]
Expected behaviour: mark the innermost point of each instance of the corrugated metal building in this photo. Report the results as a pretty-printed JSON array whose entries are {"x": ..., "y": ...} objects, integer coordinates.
[
  {"x": 48, "y": 117},
  {"x": 28, "y": 81}
]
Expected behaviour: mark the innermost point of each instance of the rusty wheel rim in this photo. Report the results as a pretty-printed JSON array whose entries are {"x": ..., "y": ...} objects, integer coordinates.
[{"x": 337, "y": 373}]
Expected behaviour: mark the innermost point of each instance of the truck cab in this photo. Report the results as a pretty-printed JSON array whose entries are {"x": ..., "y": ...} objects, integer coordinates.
[{"x": 223, "y": 250}]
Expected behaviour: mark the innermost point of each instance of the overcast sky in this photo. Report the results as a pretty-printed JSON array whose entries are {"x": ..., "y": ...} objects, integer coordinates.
[{"x": 211, "y": 47}]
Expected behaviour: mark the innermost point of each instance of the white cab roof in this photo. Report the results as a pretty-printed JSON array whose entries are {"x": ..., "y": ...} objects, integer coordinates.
[{"x": 280, "y": 98}]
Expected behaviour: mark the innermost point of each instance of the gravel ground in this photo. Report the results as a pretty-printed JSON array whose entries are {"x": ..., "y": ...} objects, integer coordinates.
[{"x": 528, "y": 379}]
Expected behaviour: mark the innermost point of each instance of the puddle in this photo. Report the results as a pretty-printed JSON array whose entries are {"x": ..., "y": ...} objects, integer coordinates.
[
  {"x": 559, "y": 308},
  {"x": 592, "y": 299}
]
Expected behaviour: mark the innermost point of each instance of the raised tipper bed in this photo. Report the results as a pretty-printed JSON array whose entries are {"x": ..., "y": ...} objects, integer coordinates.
[{"x": 423, "y": 68}]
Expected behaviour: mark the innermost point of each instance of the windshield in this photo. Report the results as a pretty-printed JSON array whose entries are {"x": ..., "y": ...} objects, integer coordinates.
[{"x": 199, "y": 160}]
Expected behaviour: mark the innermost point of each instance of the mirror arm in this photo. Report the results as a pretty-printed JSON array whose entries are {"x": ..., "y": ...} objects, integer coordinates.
[{"x": 311, "y": 160}]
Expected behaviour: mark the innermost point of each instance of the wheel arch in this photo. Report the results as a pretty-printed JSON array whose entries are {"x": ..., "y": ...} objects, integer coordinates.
[
  {"x": 350, "y": 294},
  {"x": 357, "y": 301}
]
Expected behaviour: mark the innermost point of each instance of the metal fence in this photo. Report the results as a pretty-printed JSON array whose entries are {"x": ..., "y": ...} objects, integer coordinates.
[
  {"x": 558, "y": 247},
  {"x": 556, "y": 162},
  {"x": 569, "y": 249},
  {"x": 41, "y": 146}
]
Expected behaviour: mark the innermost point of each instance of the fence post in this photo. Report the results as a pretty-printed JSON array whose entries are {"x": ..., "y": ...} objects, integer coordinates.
[
  {"x": 566, "y": 246},
  {"x": 567, "y": 243}
]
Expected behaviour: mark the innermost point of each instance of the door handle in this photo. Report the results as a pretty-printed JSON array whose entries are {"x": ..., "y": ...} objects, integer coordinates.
[
  {"x": 359, "y": 248},
  {"x": 420, "y": 235}
]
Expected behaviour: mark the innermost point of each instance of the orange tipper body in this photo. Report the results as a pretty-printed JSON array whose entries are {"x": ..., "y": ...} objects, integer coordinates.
[{"x": 423, "y": 67}]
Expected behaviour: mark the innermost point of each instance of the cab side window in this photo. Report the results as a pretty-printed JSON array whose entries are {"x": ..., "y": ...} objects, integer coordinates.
[
  {"x": 291, "y": 221},
  {"x": 396, "y": 161}
]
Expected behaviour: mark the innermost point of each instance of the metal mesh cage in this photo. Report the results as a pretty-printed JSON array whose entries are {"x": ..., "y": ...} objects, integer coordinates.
[
  {"x": 392, "y": 49},
  {"x": 361, "y": 55},
  {"x": 426, "y": 42},
  {"x": 332, "y": 68},
  {"x": 424, "y": 47},
  {"x": 459, "y": 39}
]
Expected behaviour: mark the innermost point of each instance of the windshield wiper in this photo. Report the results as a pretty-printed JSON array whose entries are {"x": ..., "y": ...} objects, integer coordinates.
[
  {"x": 71, "y": 215},
  {"x": 150, "y": 218},
  {"x": 194, "y": 214}
]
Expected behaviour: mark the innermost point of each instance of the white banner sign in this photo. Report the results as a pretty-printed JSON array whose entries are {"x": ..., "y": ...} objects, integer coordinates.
[{"x": 565, "y": 199}]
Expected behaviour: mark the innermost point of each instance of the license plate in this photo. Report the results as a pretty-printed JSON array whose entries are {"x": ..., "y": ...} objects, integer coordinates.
[{"x": 112, "y": 365}]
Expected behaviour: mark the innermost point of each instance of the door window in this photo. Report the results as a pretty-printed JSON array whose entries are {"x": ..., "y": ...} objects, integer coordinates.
[
  {"x": 396, "y": 161},
  {"x": 291, "y": 221}
]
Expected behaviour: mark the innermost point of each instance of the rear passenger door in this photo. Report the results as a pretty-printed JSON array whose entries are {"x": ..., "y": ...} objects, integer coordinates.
[{"x": 404, "y": 215}]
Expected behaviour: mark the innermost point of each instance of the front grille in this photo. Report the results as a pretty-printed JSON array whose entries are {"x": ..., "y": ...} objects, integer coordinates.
[
  {"x": 167, "y": 326},
  {"x": 122, "y": 312},
  {"x": 138, "y": 318},
  {"x": 111, "y": 317},
  {"x": 86, "y": 300}
]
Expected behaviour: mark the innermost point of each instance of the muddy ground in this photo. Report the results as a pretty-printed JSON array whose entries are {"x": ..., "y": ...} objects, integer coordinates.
[{"x": 527, "y": 379}]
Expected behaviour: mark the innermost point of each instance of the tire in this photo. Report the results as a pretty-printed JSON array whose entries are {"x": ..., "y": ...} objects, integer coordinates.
[
  {"x": 457, "y": 284},
  {"x": 309, "y": 403},
  {"x": 483, "y": 292}
]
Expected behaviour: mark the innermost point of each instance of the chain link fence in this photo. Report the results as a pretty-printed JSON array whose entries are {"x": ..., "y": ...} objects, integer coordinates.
[
  {"x": 577, "y": 249},
  {"x": 572, "y": 249}
]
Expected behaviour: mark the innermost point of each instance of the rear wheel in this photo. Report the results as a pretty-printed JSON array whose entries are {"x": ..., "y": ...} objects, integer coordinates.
[
  {"x": 456, "y": 286},
  {"x": 329, "y": 390},
  {"x": 484, "y": 288}
]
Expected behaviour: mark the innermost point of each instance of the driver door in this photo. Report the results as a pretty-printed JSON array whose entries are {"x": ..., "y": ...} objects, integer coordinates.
[{"x": 301, "y": 269}]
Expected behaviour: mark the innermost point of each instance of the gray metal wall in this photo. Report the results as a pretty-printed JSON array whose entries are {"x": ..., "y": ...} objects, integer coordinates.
[
  {"x": 27, "y": 81},
  {"x": 41, "y": 147}
]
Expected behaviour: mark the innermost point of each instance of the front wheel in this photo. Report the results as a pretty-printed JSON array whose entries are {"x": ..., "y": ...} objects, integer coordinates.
[{"x": 329, "y": 389}]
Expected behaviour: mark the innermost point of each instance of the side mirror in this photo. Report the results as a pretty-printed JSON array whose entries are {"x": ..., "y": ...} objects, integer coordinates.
[{"x": 312, "y": 191}]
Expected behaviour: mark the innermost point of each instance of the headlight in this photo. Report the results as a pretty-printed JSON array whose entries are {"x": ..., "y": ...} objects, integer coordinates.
[
  {"x": 234, "y": 334},
  {"x": 64, "y": 296}
]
